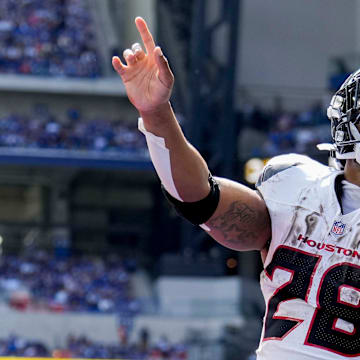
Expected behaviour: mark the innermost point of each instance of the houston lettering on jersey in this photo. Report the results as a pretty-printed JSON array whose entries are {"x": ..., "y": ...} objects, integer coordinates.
[{"x": 328, "y": 247}]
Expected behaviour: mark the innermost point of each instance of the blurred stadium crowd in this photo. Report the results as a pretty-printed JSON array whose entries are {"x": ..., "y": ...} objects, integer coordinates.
[
  {"x": 57, "y": 38},
  {"x": 278, "y": 132},
  {"x": 81, "y": 347},
  {"x": 42, "y": 129},
  {"x": 41, "y": 281},
  {"x": 48, "y": 38}
]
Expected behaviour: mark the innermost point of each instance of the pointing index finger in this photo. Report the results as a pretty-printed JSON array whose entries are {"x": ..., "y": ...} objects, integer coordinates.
[{"x": 145, "y": 34}]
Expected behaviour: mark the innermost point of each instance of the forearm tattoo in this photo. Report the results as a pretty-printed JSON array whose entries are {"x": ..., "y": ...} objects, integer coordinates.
[{"x": 240, "y": 225}]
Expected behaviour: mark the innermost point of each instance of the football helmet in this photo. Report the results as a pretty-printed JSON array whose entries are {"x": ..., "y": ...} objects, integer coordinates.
[{"x": 344, "y": 114}]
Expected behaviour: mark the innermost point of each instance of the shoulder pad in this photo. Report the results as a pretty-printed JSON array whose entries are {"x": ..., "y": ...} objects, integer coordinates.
[
  {"x": 283, "y": 162},
  {"x": 271, "y": 170}
]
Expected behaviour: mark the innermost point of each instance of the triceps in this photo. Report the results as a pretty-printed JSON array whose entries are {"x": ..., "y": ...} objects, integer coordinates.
[{"x": 240, "y": 227}]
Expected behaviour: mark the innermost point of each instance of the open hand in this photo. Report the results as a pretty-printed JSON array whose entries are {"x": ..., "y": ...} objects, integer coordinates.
[{"x": 147, "y": 76}]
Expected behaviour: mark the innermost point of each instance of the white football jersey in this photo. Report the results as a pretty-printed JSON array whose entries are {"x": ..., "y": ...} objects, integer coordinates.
[{"x": 311, "y": 281}]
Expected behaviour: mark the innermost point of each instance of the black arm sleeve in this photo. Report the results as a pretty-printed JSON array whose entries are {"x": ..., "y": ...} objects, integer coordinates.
[{"x": 197, "y": 212}]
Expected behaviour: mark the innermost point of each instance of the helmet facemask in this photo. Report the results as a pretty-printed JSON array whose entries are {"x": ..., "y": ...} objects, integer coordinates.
[{"x": 344, "y": 114}]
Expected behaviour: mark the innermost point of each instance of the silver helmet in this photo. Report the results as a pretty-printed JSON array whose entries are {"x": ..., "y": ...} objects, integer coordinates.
[{"x": 344, "y": 114}]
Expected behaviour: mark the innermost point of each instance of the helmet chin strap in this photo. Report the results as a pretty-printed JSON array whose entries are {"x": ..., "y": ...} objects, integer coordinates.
[
  {"x": 355, "y": 133},
  {"x": 353, "y": 154}
]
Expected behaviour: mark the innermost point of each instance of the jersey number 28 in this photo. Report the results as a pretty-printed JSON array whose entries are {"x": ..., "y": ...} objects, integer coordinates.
[{"x": 323, "y": 331}]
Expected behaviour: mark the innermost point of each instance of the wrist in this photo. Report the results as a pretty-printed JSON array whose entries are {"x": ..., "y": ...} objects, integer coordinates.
[
  {"x": 156, "y": 111},
  {"x": 157, "y": 117}
]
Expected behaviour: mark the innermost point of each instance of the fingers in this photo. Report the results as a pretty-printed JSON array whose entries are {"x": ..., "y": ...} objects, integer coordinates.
[
  {"x": 133, "y": 55},
  {"x": 145, "y": 34},
  {"x": 129, "y": 57},
  {"x": 138, "y": 51},
  {"x": 165, "y": 74},
  {"x": 118, "y": 65}
]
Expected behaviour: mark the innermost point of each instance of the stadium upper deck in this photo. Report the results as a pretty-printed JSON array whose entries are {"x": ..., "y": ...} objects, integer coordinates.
[{"x": 48, "y": 38}]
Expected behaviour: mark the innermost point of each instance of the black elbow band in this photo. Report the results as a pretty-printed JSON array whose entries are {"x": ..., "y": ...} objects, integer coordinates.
[{"x": 197, "y": 212}]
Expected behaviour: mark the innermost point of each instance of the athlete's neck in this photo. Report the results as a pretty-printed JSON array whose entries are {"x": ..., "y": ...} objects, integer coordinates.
[{"x": 352, "y": 172}]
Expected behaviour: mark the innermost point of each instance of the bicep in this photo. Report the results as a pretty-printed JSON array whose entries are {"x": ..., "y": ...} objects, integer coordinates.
[{"x": 241, "y": 220}]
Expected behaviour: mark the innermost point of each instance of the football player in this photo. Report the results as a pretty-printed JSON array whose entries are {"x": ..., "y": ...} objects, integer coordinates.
[{"x": 304, "y": 217}]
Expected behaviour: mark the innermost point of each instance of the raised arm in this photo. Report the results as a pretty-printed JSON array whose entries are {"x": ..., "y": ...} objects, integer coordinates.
[{"x": 241, "y": 220}]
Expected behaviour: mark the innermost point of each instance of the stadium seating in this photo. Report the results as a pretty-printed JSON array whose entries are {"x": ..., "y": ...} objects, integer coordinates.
[
  {"x": 82, "y": 347},
  {"x": 70, "y": 284},
  {"x": 77, "y": 133},
  {"x": 48, "y": 38}
]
